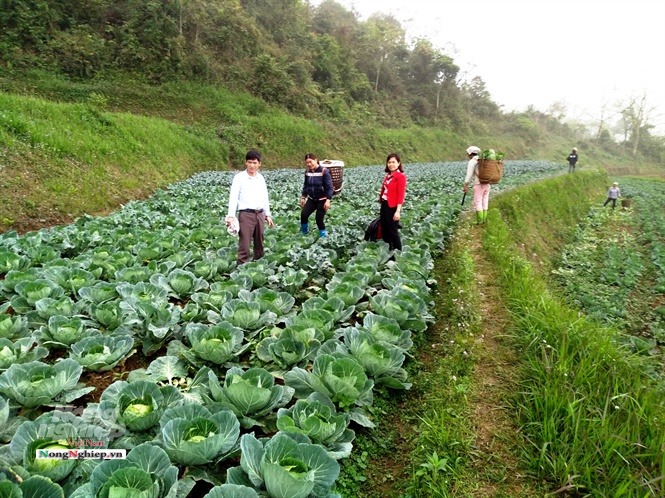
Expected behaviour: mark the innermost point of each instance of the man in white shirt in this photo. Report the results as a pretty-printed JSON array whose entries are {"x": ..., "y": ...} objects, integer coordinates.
[{"x": 249, "y": 196}]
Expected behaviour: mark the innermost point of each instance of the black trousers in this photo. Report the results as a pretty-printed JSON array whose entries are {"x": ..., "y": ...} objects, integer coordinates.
[
  {"x": 614, "y": 202},
  {"x": 389, "y": 228},
  {"x": 313, "y": 205}
]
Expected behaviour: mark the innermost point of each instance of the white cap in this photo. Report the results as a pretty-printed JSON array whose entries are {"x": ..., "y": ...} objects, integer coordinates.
[
  {"x": 473, "y": 150},
  {"x": 615, "y": 183}
]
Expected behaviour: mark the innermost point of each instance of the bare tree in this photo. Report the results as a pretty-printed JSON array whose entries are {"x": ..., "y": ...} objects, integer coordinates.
[{"x": 635, "y": 116}]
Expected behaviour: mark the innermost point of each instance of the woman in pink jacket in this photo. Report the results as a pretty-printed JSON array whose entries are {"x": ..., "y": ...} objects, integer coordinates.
[{"x": 391, "y": 197}]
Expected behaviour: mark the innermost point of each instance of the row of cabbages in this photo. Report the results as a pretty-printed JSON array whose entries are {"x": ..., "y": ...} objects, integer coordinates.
[
  {"x": 252, "y": 371},
  {"x": 270, "y": 362},
  {"x": 198, "y": 421}
]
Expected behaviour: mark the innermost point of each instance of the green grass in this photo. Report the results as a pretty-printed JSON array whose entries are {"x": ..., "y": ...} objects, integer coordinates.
[
  {"x": 441, "y": 457},
  {"x": 593, "y": 422},
  {"x": 62, "y": 160},
  {"x": 103, "y": 142},
  {"x": 590, "y": 419}
]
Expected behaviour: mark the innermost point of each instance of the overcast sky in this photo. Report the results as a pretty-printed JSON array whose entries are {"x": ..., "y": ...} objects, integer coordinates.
[{"x": 582, "y": 53}]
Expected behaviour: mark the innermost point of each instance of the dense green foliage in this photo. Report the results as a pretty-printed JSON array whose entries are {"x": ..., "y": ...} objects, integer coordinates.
[
  {"x": 591, "y": 410},
  {"x": 306, "y": 60},
  {"x": 150, "y": 273}
]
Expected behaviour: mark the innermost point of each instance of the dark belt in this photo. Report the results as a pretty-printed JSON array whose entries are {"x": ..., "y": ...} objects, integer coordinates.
[{"x": 250, "y": 211}]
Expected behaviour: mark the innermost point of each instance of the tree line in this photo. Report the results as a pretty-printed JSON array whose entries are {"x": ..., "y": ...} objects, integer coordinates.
[{"x": 311, "y": 60}]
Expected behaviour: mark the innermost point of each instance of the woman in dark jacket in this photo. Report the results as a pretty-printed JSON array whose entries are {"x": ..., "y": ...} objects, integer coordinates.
[
  {"x": 317, "y": 191},
  {"x": 391, "y": 197}
]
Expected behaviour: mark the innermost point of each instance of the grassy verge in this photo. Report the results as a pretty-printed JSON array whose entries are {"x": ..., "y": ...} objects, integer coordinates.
[
  {"x": 451, "y": 434},
  {"x": 592, "y": 421},
  {"x": 441, "y": 453},
  {"x": 62, "y": 160},
  {"x": 524, "y": 400},
  {"x": 423, "y": 437}
]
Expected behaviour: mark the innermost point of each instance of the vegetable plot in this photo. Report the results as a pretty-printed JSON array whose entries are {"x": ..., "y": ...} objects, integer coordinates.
[
  {"x": 251, "y": 378},
  {"x": 615, "y": 270}
]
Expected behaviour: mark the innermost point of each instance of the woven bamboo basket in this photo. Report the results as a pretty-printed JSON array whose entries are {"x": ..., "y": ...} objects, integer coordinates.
[
  {"x": 489, "y": 170},
  {"x": 626, "y": 202},
  {"x": 336, "y": 169}
]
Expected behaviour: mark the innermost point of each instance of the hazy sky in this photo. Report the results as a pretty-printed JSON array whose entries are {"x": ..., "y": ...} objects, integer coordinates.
[{"x": 582, "y": 53}]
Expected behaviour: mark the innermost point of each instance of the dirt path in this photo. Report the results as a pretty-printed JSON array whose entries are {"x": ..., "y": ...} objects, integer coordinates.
[{"x": 494, "y": 382}]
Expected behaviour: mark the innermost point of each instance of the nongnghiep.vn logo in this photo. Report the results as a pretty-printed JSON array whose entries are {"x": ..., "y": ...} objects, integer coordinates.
[{"x": 79, "y": 454}]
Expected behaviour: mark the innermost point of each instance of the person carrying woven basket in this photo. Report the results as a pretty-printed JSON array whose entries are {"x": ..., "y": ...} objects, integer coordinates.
[
  {"x": 481, "y": 191},
  {"x": 317, "y": 191}
]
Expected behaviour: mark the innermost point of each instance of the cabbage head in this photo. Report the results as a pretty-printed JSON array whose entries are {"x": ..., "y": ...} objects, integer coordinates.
[
  {"x": 407, "y": 308},
  {"x": 100, "y": 353},
  {"x": 294, "y": 345},
  {"x": 250, "y": 394},
  {"x": 33, "y": 487},
  {"x": 279, "y": 303},
  {"x": 62, "y": 331},
  {"x": 232, "y": 491},
  {"x": 192, "y": 435},
  {"x": 54, "y": 430},
  {"x": 246, "y": 315},
  {"x": 179, "y": 283},
  {"x": 317, "y": 418},
  {"x": 340, "y": 378},
  {"x": 286, "y": 466},
  {"x": 340, "y": 311},
  {"x": 320, "y": 319},
  {"x": 13, "y": 326},
  {"x": 385, "y": 329},
  {"x": 137, "y": 405},
  {"x": 35, "y": 383},
  {"x": 217, "y": 343},
  {"x": 20, "y": 351},
  {"x": 99, "y": 293},
  {"x": 146, "y": 473}
]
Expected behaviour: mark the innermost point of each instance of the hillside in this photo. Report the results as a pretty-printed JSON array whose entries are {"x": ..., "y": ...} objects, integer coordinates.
[{"x": 69, "y": 148}]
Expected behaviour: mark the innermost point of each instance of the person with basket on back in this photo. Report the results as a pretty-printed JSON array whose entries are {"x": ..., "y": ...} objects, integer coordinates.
[
  {"x": 317, "y": 192},
  {"x": 481, "y": 191}
]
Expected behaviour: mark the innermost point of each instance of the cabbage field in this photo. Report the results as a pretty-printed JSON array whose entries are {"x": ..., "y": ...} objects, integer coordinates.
[
  {"x": 137, "y": 331},
  {"x": 615, "y": 269}
]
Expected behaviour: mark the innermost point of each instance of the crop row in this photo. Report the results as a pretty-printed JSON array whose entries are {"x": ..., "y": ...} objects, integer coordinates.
[
  {"x": 251, "y": 377},
  {"x": 615, "y": 269}
]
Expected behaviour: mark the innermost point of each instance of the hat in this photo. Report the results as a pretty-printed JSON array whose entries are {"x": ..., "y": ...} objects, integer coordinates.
[
  {"x": 473, "y": 150},
  {"x": 575, "y": 149},
  {"x": 615, "y": 183},
  {"x": 233, "y": 228}
]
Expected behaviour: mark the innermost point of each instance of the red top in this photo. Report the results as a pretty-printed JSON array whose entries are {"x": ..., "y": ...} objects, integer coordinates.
[{"x": 393, "y": 188}]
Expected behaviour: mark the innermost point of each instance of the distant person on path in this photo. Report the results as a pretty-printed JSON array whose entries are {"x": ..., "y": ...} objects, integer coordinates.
[
  {"x": 317, "y": 192},
  {"x": 572, "y": 160},
  {"x": 391, "y": 197},
  {"x": 249, "y": 196},
  {"x": 481, "y": 191},
  {"x": 612, "y": 195}
]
